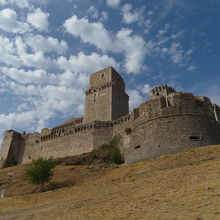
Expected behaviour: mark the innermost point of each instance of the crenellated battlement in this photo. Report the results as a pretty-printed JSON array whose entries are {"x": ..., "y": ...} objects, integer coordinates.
[
  {"x": 63, "y": 131},
  {"x": 70, "y": 123},
  {"x": 93, "y": 90},
  {"x": 163, "y": 90}
]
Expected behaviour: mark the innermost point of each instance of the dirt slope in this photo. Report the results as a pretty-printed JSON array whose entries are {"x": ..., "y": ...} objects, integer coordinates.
[{"x": 181, "y": 186}]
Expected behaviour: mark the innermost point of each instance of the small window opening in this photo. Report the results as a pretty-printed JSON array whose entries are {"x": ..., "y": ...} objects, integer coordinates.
[
  {"x": 103, "y": 75},
  {"x": 137, "y": 147},
  {"x": 195, "y": 137}
]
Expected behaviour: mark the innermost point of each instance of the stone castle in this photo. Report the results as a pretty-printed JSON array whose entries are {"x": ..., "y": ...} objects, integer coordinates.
[{"x": 169, "y": 122}]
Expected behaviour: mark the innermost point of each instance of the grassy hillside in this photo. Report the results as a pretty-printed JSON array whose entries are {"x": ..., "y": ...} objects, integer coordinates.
[{"x": 181, "y": 186}]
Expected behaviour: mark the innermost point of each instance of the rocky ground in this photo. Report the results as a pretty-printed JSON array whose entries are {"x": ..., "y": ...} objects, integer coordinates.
[{"x": 181, "y": 186}]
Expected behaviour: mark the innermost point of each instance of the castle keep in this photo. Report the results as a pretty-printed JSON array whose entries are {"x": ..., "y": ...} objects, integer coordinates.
[{"x": 168, "y": 122}]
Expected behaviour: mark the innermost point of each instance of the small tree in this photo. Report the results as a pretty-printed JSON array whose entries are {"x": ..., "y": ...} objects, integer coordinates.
[{"x": 40, "y": 172}]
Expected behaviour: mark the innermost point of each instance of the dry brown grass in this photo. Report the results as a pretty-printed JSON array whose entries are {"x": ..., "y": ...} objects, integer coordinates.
[{"x": 181, "y": 186}]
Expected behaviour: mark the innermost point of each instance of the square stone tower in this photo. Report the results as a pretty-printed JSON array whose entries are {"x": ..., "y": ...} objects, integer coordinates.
[{"x": 106, "y": 99}]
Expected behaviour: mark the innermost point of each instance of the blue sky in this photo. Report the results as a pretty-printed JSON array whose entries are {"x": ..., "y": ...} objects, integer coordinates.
[{"x": 50, "y": 47}]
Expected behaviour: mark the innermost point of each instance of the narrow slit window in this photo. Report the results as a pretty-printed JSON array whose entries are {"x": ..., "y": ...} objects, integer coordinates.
[
  {"x": 137, "y": 147},
  {"x": 195, "y": 137}
]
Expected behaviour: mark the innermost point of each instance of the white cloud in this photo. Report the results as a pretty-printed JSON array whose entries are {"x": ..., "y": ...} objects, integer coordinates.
[
  {"x": 10, "y": 57},
  {"x": 113, "y": 3},
  {"x": 30, "y": 76},
  {"x": 135, "y": 50},
  {"x": 104, "y": 16},
  {"x": 86, "y": 63},
  {"x": 15, "y": 55},
  {"x": 179, "y": 56},
  {"x": 38, "y": 60},
  {"x": 39, "y": 19},
  {"x": 19, "y": 3},
  {"x": 135, "y": 98},
  {"x": 46, "y": 44},
  {"x": 93, "y": 11},
  {"x": 131, "y": 15},
  {"x": 146, "y": 89},
  {"x": 191, "y": 67},
  {"x": 133, "y": 47},
  {"x": 9, "y": 22},
  {"x": 128, "y": 16},
  {"x": 93, "y": 33},
  {"x": 163, "y": 31},
  {"x": 176, "y": 53}
]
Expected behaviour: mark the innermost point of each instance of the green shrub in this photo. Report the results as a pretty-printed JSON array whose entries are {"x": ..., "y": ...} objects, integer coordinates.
[
  {"x": 116, "y": 141},
  {"x": 93, "y": 155},
  {"x": 128, "y": 131},
  {"x": 113, "y": 147},
  {"x": 40, "y": 172},
  {"x": 116, "y": 156}
]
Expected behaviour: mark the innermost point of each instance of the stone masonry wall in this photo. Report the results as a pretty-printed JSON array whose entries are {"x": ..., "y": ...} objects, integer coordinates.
[
  {"x": 12, "y": 149},
  {"x": 106, "y": 99},
  {"x": 171, "y": 134},
  {"x": 67, "y": 142},
  {"x": 73, "y": 144},
  {"x": 98, "y": 105}
]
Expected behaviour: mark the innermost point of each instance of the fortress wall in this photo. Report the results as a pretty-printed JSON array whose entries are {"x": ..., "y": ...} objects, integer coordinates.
[
  {"x": 171, "y": 134},
  {"x": 5, "y": 147},
  {"x": 123, "y": 123},
  {"x": 184, "y": 102},
  {"x": 204, "y": 106},
  {"x": 176, "y": 103},
  {"x": 69, "y": 145},
  {"x": 69, "y": 124},
  {"x": 12, "y": 149},
  {"x": 102, "y": 135},
  {"x": 31, "y": 147},
  {"x": 152, "y": 108}
]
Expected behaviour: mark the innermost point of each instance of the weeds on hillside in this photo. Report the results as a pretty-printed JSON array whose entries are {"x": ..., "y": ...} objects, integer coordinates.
[{"x": 113, "y": 146}]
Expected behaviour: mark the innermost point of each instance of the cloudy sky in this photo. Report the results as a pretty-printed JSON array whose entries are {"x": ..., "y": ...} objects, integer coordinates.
[{"x": 50, "y": 47}]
